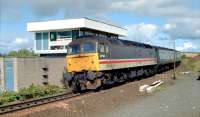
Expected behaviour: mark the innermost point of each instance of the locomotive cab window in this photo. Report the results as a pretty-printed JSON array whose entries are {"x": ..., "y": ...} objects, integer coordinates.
[
  {"x": 103, "y": 50},
  {"x": 89, "y": 47},
  {"x": 81, "y": 48},
  {"x": 107, "y": 49},
  {"x": 74, "y": 49}
]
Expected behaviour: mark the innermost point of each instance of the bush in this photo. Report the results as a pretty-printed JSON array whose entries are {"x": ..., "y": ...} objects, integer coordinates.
[
  {"x": 31, "y": 92},
  {"x": 8, "y": 97},
  {"x": 192, "y": 64},
  {"x": 22, "y": 53},
  {"x": 183, "y": 56},
  {"x": 52, "y": 89},
  {"x": 34, "y": 91}
]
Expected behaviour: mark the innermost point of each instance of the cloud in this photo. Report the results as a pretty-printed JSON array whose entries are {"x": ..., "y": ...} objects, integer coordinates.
[
  {"x": 181, "y": 14},
  {"x": 47, "y": 8},
  {"x": 164, "y": 8},
  {"x": 187, "y": 46},
  {"x": 150, "y": 34},
  {"x": 15, "y": 44},
  {"x": 182, "y": 18},
  {"x": 161, "y": 36},
  {"x": 168, "y": 27},
  {"x": 185, "y": 28},
  {"x": 19, "y": 41},
  {"x": 10, "y": 10},
  {"x": 70, "y": 7},
  {"x": 142, "y": 32}
]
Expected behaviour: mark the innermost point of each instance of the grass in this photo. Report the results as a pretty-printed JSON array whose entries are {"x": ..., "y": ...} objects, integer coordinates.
[
  {"x": 192, "y": 64},
  {"x": 34, "y": 91},
  {"x": 188, "y": 64},
  {"x": 161, "y": 87}
]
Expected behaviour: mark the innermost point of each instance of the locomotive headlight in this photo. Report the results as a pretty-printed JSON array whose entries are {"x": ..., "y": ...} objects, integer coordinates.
[{"x": 69, "y": 62}]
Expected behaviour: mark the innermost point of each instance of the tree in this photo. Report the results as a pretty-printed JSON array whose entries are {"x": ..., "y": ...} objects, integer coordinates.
[
  {"x": 21, "y": 53},
  {"x": 12, "y": 54}
]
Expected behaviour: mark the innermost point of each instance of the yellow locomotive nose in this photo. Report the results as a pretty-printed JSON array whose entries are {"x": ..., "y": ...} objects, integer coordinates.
[{"x": 82, "y": 62}]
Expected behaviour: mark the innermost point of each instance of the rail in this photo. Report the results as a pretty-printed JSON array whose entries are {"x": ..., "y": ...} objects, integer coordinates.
[{"x": 35, "y": 102}]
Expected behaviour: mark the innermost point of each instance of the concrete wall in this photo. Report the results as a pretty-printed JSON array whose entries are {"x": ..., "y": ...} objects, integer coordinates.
[
  {"x": 56, "y": 69},
  {"x": 39, "y": 71},
  {"x": 1, "y": 75}
]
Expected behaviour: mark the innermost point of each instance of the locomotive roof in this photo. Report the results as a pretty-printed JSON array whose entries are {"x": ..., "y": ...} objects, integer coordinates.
[
  {"x": 116, "y": 42},
  {"x": 113, "y": 41}
]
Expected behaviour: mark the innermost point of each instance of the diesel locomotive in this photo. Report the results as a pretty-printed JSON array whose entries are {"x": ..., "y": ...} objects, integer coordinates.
[{"x": 93, "y": 62}]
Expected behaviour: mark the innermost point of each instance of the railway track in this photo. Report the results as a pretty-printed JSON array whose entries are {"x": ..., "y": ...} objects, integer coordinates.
[{"x": 36, "y": 102}]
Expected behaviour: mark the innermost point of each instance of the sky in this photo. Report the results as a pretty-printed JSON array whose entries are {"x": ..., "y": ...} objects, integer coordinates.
[{"x": 156, "y": 22}]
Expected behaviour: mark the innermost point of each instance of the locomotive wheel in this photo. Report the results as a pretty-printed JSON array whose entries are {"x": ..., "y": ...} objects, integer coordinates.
[
  {"x": 115, "y": 79},
  {"x": 95, "y": 84},
  {"x": 146, "y": 73},
  {"x": 76, "y": 87}
]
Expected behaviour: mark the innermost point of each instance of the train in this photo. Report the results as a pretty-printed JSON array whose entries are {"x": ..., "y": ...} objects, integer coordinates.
[{"x": 93, "y": 62}]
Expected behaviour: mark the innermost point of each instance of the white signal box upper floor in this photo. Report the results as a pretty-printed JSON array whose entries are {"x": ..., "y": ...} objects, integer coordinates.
[
  {"x": 52, "y": 37},
  {"x": 74, "y": 24}
]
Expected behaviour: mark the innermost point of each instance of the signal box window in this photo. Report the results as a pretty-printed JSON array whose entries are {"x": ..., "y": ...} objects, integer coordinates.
[
  {"x": 64, "y": 35},
  {"x": 75, "y": 34},
  {"x": 57, "y": 47},
  {"x": 38, "y": 37},
  {"x": 53, "y": 36}
]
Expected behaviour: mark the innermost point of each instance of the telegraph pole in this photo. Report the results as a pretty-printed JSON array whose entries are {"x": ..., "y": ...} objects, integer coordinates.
[{"x": 174, "y": 71}]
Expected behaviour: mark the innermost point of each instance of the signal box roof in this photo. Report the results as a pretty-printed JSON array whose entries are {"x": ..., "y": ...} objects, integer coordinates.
[{"x": 76, "y": 24}]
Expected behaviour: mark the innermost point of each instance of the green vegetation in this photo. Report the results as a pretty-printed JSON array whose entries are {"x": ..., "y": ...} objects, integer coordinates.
[
  {"x": 191, "y": 63},
  {"x": 161, "y": 87},
  {"x": 34, "y": 91},
  {"x": 21, "y": 53},
  {"x": 7, "y": 97}
]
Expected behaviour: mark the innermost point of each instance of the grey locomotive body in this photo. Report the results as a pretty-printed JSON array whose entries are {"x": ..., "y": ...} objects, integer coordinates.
[{"x": 114, "y": 60}]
